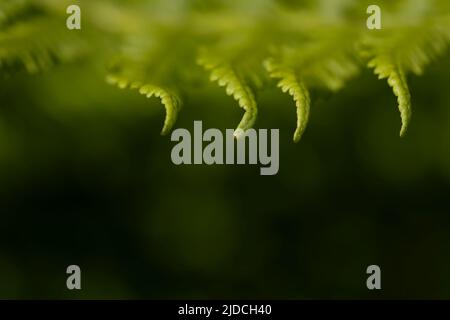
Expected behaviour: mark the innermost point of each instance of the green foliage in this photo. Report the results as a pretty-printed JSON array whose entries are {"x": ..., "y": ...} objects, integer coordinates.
[
  {"x": 157, "y": 46},
  {"x": 33, "y": 39}
]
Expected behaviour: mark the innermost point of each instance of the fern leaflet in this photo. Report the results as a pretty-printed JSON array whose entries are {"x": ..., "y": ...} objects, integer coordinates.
[
  {"x": 385, "y": 67},
  {"x": 235, "y": 86},
  {"x": 169, "y": 99},
  {"x": 297, "y": 89}
]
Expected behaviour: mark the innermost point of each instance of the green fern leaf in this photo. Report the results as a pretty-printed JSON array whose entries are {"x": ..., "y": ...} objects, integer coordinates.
[
  {"x": 325, "y": 60},
  {"x": 297, "y": 89},
  {"x": 37, "y": 44},
  {"x": 236, "y": 86},
  {"x": 425, "y": 47},
  {"x": 169, "y": 99},
  {"x": 393, "y": 55},
  {"x": 385, "y": 67}
]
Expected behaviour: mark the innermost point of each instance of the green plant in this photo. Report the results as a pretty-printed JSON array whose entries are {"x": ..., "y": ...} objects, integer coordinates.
[{"x": 162, "y": 48}]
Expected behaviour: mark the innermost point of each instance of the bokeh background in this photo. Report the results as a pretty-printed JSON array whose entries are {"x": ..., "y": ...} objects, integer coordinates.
[{"x": 86, "y": 179}]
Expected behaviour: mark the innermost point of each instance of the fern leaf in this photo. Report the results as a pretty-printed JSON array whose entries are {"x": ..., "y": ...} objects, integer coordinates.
[
  {"x": 37, "y": 44},
  {"x": 226, "y": 76},
  {"x": 297, "y": 89},
  {"x": 394, "y": 55},
  {"x": 385, "y": 67},
  {"x": 169, "y": 99},
  {"x": 427, "y": 45},
  {"x": 325, "y": 61}
]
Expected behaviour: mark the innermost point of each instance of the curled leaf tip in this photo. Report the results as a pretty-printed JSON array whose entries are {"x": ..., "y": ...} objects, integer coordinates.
[
  {"x": 238, "y": 133},
  {"x": 292, "y": 85},
  {"x": 385, "y": 67},
  {"x": 169, "y": 99}
]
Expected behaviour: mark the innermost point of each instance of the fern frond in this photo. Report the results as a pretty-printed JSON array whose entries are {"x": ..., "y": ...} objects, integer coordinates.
[
  {"x": 322, "y": 62},
  {"x": 36, "y": 45},
  {"x": 395, "y": 54},
  {"x": 386, "y": 67},
  {"x": 427, "y": 45},
  {"x": 236, "y": 86},
  {"x": 169, "y": 99},
  {"x": 297, "y": 89},
  {"x": 157, "y": 42}
]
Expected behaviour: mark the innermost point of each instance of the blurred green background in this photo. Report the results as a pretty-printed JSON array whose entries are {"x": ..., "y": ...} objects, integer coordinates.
[{"x": 86, "y": 179}]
